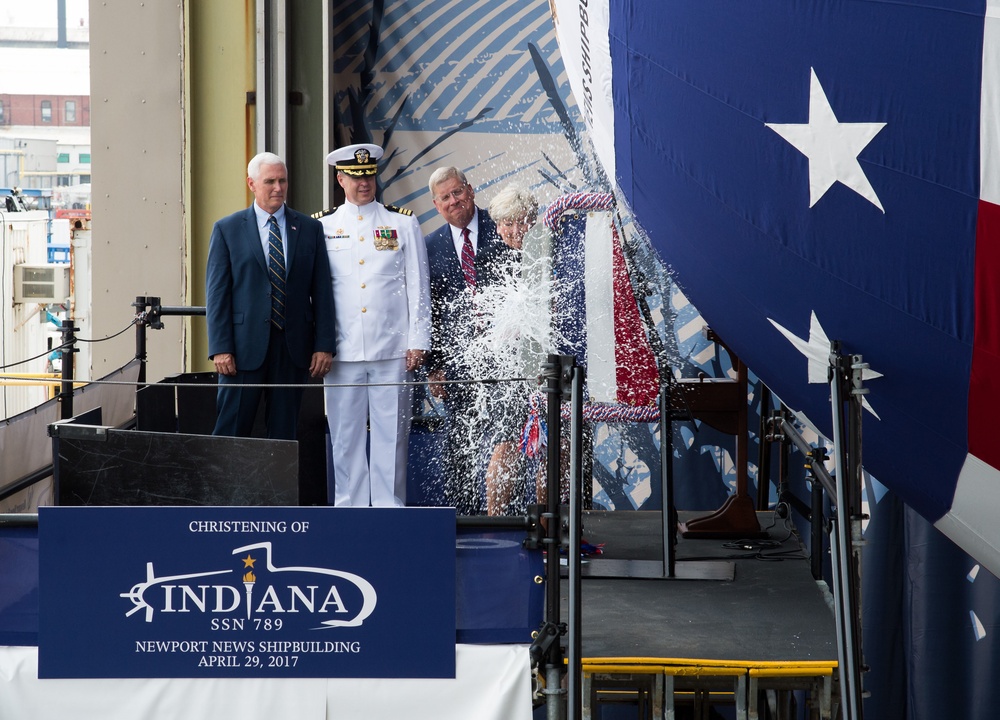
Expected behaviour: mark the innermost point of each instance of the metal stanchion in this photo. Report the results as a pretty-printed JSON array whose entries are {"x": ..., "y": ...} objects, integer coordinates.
[
  {"x": 574, "y": 703},
  {"x": 843, "y": 538},
  {"x": 68, "y": 333},
  {"x": 668, "y": 527},
  {"x": 149, "y": 313},
  {"x": 141, "y": 304},
  {"x": 546, "y": 650}
]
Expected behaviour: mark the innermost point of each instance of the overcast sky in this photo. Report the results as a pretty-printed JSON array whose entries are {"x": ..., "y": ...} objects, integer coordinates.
[
  {"x": 43, "y": 13},
  {"x": 54, "y": 71}
]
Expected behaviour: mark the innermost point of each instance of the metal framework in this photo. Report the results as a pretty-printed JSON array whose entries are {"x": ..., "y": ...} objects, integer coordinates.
[{"x": 843, "y": 488}]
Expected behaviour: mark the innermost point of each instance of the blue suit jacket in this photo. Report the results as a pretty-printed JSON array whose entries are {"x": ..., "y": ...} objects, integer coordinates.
[
  {"x": 452, "y": 321},
  {"x": 238, "y": 292}
]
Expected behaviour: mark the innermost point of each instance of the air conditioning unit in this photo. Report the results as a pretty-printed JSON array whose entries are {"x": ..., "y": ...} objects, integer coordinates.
[{"x": 41, "y": 283}]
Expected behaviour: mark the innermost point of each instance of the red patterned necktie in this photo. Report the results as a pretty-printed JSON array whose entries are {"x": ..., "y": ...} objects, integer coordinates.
[{"x": 468, "y": 260}]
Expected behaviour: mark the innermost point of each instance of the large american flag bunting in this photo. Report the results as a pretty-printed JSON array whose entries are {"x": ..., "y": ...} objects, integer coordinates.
[{"x": 819, "y": 171}]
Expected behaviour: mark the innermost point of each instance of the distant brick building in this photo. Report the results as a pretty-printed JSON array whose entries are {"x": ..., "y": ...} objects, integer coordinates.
[
  {"x": 44, "y": 117},
  {"x": 44, "y": 110}
]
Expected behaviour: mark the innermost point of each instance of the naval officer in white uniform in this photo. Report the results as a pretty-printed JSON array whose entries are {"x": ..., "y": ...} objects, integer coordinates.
[{"x": 378, "y": 264}]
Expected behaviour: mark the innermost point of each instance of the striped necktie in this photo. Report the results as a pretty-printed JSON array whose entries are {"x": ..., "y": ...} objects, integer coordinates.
[
  {"x": 468, "y": 260},
  {"x": 276, "y": 273}
]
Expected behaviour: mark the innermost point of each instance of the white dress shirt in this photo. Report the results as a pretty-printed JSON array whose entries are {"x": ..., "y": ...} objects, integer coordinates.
[
  {"x": 264, "y": 229},
  {"x": 459, "y": 239}
]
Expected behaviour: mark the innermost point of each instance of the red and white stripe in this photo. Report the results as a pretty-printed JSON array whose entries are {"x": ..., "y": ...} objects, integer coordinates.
[
  {"x": 972, "y": 520},
  {"x": 621, "y": 367}
]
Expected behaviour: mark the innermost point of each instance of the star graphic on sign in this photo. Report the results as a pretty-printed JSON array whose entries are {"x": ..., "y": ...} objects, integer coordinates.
[
  {"x": 248, "y": 561},
  {"x": 832, "y": 147},
  {"x": 817, "y": 352}
]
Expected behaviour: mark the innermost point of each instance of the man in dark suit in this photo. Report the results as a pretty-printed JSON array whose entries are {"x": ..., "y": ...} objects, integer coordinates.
[
  {"x": 464, "y": 255},
  {"x": 269, "y": 305}
]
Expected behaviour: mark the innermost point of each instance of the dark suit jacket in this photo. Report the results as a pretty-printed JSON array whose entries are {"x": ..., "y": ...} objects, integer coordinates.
[
  {"x": 238, "y": 292},
  {"x": 452, "y": 320}
]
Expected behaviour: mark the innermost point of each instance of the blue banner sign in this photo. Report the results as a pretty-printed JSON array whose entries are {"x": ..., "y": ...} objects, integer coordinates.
[{"x": 246, "y": 592}]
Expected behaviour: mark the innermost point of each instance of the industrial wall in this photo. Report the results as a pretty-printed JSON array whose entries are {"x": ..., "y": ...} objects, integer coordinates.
[
  {"x": 137, "y": 136},
  {"x": 174, "y": 115}
]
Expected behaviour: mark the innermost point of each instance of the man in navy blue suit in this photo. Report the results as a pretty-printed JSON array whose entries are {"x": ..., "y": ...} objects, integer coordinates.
[
  {"x": 464, "y": 255},
  {"x": 269, "y": 305}
]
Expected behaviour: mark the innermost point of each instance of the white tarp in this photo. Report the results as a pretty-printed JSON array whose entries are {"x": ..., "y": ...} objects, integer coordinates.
[{"x": 493, "y": 682}]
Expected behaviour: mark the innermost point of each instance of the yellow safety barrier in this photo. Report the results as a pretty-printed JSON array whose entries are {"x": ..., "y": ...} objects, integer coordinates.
[
  {"x": 51, "y": 380},
  {"x": 777, "y": 665},
  {"x": 700, "y": 679}
]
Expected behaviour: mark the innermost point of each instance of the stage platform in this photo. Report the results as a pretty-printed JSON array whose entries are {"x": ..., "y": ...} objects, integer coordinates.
[{"x": 647, "y": 642}]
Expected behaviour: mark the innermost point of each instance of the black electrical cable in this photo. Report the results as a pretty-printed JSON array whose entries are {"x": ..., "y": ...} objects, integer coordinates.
[{"x": 65, "y": 345}]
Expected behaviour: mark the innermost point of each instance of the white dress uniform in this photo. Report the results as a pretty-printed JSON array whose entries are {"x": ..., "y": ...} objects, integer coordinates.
[{"x": 378, "y": 264}]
